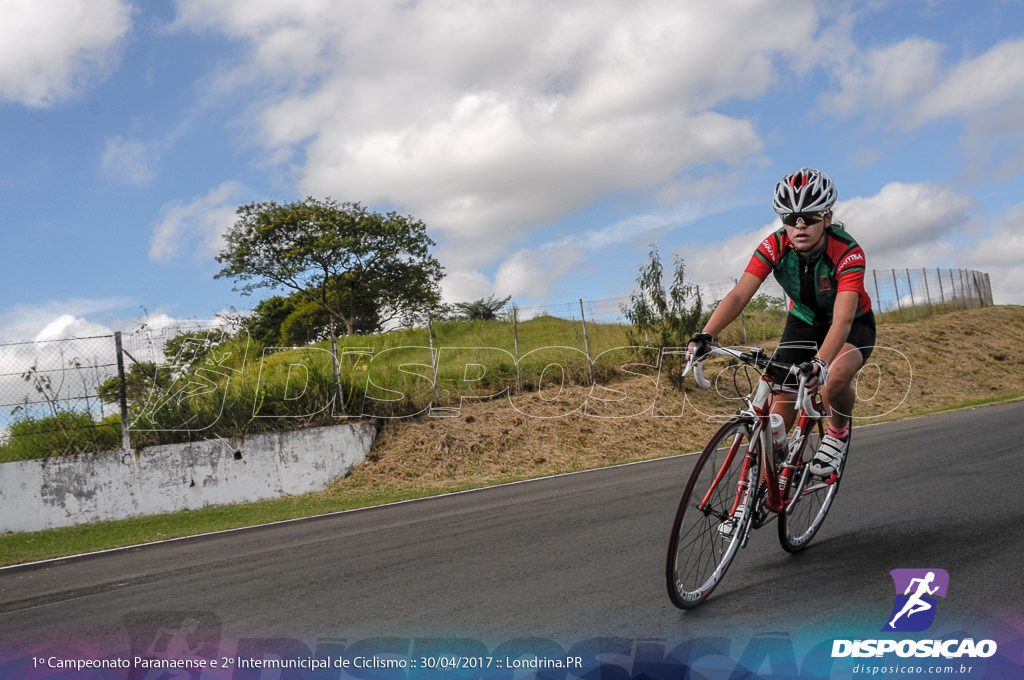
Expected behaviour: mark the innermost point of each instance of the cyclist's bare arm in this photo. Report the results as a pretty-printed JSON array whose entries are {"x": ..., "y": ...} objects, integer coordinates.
[{"x": 731, "y": 305}]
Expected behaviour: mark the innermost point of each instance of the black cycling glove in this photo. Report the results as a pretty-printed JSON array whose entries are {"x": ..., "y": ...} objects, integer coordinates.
[
  {"x": 702, "y": 343},
  {"x": 807, "y": 368}
]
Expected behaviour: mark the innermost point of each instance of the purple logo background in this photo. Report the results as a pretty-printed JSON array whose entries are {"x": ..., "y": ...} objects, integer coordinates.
[{"x": 916, "y": 590}]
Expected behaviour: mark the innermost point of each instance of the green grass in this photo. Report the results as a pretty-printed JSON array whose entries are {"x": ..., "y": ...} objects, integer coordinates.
[{"x": 246, "y": 389}]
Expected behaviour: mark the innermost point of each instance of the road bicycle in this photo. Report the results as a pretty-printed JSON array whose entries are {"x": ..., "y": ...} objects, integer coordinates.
[{"x": 741, "y": 481}]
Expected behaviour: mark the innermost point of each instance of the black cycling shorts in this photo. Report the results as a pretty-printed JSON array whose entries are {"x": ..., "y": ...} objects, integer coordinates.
[{"x": 800, "y": 342}]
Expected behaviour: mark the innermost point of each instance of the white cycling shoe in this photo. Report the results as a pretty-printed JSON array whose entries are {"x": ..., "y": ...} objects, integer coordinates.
[
  {"x": 829, "y": 456},
  {"x": 727, "y": 528}
]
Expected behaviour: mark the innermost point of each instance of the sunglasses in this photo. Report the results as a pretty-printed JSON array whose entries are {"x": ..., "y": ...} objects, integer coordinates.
[{"x": 789, "y": 219}]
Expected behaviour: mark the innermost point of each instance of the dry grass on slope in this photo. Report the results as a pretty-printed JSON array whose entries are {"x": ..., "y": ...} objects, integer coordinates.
[{"x": 941, "y": 362}]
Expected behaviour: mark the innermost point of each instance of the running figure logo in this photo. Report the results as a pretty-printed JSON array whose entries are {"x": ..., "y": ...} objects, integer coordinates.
[{"x": 916, "y": 590}]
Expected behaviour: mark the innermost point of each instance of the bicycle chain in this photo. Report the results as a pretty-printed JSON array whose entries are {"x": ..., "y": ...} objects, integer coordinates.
[{"x": 761, "y": 515}]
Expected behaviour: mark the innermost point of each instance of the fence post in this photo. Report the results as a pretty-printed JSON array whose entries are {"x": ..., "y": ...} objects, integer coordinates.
[
  {"x": 913, "y": 302},
  {"x": 586, "y": 345},
  {"x": 515, "y": 332},
  {"x": 433, "y": 358},
  {"x": 927, "y": 293},
  {"x": 878, "y": 295},
  {"x": 952, "y": 285},
  {"x": 988, "y": 289},
  {"x": 896, "y": 285},
  {"x": 942, "y": 293},
  {"x": 122, "y": 389}
]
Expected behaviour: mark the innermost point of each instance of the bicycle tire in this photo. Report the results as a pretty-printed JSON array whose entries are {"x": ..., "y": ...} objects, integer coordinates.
[
  {"x": 698, "y": 552},
  {"x": 799, "y": 523}
]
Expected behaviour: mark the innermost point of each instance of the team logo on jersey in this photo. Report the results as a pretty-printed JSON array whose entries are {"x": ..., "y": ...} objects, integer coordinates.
[
  {"x": 850, "y": 259},
  {"x": 916, "y": 590}
]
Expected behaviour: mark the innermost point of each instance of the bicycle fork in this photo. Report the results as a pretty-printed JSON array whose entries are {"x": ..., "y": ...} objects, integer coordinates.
[{"x": 740, "y": 517}]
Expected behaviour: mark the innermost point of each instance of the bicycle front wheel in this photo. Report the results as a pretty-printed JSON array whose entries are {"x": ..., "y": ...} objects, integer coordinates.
[
  {"x": 808, "y": 499},
  {"x": 712, "y": 518}
]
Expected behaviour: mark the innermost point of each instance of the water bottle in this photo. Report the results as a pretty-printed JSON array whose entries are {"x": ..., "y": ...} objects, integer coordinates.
[{"x": 779, "y": 437}]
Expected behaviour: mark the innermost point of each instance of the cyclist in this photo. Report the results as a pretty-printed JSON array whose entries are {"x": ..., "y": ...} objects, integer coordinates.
[{"x": 821, "y": 269}]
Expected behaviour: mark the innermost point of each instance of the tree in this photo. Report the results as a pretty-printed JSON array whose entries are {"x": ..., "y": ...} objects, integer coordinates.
[
  {"x": 285, "y": 320},
  {"x": 664, "y": 318},
  {"x": 484, "y": 309},
  {"x": 338, "y": 256}
]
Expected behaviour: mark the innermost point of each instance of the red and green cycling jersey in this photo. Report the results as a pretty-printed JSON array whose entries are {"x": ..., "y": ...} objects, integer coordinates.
[{"x": 812, "y": 286}]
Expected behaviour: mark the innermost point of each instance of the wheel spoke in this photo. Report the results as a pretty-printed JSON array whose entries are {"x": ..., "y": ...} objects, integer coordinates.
[
  {"x": 699, "y": 553},
  {"x": 805, "y": 514}
]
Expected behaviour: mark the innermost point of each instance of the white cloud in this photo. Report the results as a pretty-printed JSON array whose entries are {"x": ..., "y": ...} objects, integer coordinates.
[
  {"x": 902, "y": 220},
  {"x": 1000, "y": 254},
  {"x": 979, "y": 86},
  {"x": 129, "y": 161},
  {"x": 205, "y": 219},
  {"x": 534, "y": 272},
  {"x": 906, "y": 86},
  {"x": 488, "y": 120},
  {"x": 70, "y": 326},
  {"x": 48, "y": 50},
  {"x": 464, "y": 285},
  {"x": 885, "y": 76},
  {"x": 722, "y": 261}
]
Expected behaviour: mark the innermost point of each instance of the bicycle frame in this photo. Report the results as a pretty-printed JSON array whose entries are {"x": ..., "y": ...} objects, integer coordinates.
[
  {"x": 739, "y": 483},
  {"x": 778, "y": 481}
]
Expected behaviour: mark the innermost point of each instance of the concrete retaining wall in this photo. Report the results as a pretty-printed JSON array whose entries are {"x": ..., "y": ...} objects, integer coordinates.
[{"x": 68, "y": 490}]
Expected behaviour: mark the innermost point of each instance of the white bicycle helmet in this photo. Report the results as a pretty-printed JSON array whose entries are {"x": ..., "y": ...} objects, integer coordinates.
[{"x": 805, "y": 191}]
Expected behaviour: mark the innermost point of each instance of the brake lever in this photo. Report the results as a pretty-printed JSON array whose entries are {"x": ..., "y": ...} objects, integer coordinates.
[
  {"x": 803, "y": 396},
  {"x": 698, "y": 371}
]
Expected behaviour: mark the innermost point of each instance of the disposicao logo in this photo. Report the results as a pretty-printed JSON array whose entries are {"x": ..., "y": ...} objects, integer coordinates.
[
  {"x": 916, "y": 590},
  {"x": 914, "y": 610}
]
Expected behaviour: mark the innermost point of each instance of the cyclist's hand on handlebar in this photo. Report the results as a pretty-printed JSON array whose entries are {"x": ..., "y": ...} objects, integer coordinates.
[
  {"x": 700, "y": 345},
  {"x": 816, "y": 372}
]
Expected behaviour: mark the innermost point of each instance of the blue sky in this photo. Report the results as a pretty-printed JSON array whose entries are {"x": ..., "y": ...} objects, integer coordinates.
[{"x": 545, "y": 145}]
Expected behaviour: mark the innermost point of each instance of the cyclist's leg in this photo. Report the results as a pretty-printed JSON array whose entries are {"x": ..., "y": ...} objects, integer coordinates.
[
  {"x": 838, "y": 393},
  {"x": 798, "y": 344},
  {"x": 840, "y": 396}
]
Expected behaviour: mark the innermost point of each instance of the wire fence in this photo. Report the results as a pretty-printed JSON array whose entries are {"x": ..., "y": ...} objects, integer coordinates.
[
  {"x": 908, "y": 293},
  {"x": 72, "y": 395},
  {"x": 69, "y": 395}
]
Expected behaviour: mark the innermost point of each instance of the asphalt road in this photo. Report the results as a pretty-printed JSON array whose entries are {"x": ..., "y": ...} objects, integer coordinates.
[{"x": 566, "y": 558}]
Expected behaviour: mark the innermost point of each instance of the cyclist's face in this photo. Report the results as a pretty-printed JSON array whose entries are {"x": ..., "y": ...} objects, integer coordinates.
[{"x": 807, "y": 237}]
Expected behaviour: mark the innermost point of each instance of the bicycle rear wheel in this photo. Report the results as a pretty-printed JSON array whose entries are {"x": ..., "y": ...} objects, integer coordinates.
[
  {"x": 807, "y": 503},
  {"x": 707, "y": 531}
]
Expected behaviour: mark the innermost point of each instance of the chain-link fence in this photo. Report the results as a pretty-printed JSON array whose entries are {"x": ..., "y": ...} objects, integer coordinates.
[
  {"x": 98, "y": 393},
  {"x": 908, "y": 293},
  {"x": 49, "y": 389},
  {"x": 70, "y": 395}
]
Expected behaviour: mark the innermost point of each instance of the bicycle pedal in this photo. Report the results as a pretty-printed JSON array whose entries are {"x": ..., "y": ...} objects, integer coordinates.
[{"x": 729, "y": 527}]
